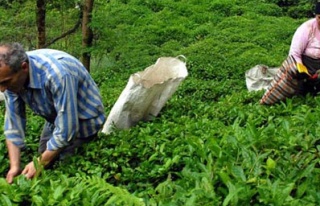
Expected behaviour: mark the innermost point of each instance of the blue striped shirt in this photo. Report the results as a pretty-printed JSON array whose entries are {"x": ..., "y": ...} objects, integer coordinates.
[{"x": 62, "y": 91}]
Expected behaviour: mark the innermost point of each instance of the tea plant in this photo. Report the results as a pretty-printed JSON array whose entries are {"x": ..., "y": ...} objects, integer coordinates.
[{"x": 213, "y": 143}]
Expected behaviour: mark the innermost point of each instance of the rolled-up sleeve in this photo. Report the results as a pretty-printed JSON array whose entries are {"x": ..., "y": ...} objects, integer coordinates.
[{"x": 15, "y": 119}]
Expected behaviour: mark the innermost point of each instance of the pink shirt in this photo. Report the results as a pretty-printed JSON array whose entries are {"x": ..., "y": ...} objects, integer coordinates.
[{"x": 306, "y": 40}]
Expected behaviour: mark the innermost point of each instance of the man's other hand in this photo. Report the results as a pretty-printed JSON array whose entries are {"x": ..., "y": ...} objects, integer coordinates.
[{"x": 13, "y": 172}]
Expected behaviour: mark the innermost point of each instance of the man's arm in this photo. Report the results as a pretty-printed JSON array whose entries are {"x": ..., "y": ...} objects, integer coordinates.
[
  {"x": 14, "y": 157},
  {"x": 67, "y": 121},
  {"x": 48, "y": 156}
]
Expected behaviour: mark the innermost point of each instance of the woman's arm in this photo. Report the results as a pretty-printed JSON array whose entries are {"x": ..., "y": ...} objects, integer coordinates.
[{"x": 300, "y": 41}]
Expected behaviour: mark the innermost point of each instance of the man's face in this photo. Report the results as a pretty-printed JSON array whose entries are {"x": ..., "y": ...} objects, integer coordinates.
[{"x": 13, "y": 81}]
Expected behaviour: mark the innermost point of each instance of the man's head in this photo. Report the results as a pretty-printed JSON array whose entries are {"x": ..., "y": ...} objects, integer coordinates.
[{"x": 14, "y": 67}]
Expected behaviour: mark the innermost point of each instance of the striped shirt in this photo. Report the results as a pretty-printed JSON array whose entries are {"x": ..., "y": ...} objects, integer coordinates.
[{"x": 60, "y": 90}]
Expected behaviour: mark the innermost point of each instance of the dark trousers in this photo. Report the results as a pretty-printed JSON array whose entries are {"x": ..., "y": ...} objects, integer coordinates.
[
  {"x": 68, "y": 150},
  {"x": 309, "y": 87}
]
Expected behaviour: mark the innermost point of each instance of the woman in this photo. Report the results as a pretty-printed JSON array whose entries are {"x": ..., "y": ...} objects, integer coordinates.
[
  {"x": 305, "y": 45},
  {"x": 299, "y": 72}
]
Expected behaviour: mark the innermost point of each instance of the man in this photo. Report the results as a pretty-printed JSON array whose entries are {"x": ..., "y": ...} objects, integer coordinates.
[
  {"x": 300, "y": 72},
  {"x": 57, "y": 87}
]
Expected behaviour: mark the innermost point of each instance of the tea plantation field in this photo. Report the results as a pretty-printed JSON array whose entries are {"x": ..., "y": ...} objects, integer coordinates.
[{"x": 213, "y": 143}]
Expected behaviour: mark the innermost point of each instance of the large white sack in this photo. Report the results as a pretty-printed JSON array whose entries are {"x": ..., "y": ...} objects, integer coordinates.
[{"x": 146, "y": 93}]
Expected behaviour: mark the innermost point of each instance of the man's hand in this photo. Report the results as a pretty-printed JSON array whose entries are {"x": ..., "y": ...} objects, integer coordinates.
[
  {"x": 47, "y": 156},
  {"x": 29, "y": 171},
  {"x": 13, "y": 172}
]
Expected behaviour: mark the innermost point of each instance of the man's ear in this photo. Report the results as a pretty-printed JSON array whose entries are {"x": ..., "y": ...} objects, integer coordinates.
[{"x": 25, "y": 66}]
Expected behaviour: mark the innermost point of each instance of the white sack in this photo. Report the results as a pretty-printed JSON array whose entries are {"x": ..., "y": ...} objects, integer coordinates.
[
  {"x": 146, "y": 93},
  {"x": 259, "y": 77}
]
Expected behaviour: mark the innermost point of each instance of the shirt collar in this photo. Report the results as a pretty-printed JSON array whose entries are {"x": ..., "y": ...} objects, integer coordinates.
[{"x": 34, "y": 75}]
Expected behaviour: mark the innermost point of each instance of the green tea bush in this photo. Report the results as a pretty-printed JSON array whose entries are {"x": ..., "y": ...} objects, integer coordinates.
[{"x": 212, "y": 143}]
